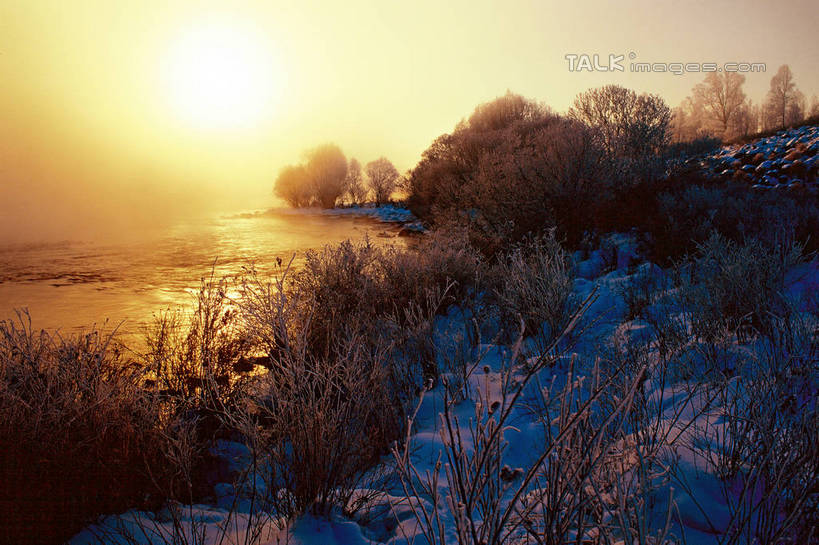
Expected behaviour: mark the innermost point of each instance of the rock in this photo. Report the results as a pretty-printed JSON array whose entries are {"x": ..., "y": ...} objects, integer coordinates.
[
  {"x": 793, "y": 154},
  {"x": 764, "y": 166}
]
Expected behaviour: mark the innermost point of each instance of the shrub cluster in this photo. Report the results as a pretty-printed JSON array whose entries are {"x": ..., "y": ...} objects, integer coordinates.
[
  {"x": 80, "y": 435},
  {"x": 515, "y": 168}
]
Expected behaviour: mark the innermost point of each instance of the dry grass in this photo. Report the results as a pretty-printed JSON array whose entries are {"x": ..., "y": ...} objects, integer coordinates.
[
  {"x": 535, "y": 284},
  {"x": 75, "y": 421}
]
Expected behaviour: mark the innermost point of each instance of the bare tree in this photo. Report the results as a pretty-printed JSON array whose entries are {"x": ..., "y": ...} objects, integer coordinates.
[
  {"x": 687, "y": 121},
  {"x": 633, "y": 129},
  {"x": 813, "y": 110},
  {"x": 356, "y": 190},
  {"x": 781, "y": 96},
  {"x": 623, "y": 117},
  {"x": 797, "y": 109},
  {"x": 327, "y": 169},
  {"x": 746, "y": 119},
  {"x": 722, "y": 99},
  {"x": 293, "y": 186},
  {"x": 382, "y": 175}
]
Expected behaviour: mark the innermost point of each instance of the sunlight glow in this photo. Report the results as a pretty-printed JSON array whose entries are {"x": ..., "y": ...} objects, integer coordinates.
[{"x": 221, "y": 76}]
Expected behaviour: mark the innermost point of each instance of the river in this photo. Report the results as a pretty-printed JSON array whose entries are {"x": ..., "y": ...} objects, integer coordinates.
[{"x": 70, "y": 286}]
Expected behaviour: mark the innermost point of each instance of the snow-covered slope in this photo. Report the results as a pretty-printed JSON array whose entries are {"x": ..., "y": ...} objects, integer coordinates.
[
  {"x": 699, "y": 500},
  {"x": 787, "y": 160}
]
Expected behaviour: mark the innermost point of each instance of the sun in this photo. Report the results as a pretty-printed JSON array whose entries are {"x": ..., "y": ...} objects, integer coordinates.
[{"x": 220, "y": 76}]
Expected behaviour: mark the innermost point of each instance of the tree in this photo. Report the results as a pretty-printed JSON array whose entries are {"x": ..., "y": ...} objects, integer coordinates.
[
  {"x": 796, "y": 109},
  {"x": 449, "y": 164},
  {"x": 293, "y": 186},
  {"x": 781, "y": 97},
  {"x": 632, "y": 129},
  {"x": 354, "y": 184},
  {"x": 813, "y": 111},
  {"x": 382, "y": 175},
  {"x": 746, "y": 120},
  {"x": 319, "y": 181},
  {"x": 327, "y": 171},
  {"x": 687, "y": 121},
  {"x": 722, "y": 99},
  {"x": 503, "y": 111}
]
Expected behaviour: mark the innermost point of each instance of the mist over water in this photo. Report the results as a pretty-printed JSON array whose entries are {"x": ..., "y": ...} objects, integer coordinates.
[{"x": 70, "y": 285}]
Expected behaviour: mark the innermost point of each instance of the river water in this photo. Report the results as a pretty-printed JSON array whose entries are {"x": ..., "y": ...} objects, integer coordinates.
[{"x": 72, "y": 285}]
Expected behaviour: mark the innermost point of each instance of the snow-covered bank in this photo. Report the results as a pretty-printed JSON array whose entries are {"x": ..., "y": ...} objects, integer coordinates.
[
  {"x": 787, "y": 160},
  {"x": 679, "y": 435},
  {"x": 386, "y": 213}
]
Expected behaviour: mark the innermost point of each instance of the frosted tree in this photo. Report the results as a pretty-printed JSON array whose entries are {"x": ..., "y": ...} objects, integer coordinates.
[
  {"x": 722, "y": 100},
  {"x": 382, "y": 175},
  {"x": 781, "y": 98},
  {"x": 356, "y": 190}
]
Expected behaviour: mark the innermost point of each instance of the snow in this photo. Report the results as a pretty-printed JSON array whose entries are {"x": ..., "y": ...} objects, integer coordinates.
[
  {"x": 787, "y": 160},
  {"x": 683, "y": 414},
  {"x": 387, "y": 213}
]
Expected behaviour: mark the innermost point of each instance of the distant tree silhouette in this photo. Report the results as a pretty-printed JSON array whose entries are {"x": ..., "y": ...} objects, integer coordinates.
[
  {"x": 813, "y": 110},
  {"x": 327, "y": 170},
  {"x": 723, "y": 101},
  {"x": 320, "y": 181},
  {"x": 687, "y": 121},
  {"x": 382, "y": 175},
  {"x": 354, "y": 184},
  {"x": 632, "y": 129},
  {"x": 293, "y": 186},
  {"x": 783, "y": 98}
]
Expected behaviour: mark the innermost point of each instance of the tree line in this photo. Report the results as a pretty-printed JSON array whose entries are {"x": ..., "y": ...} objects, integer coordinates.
[
  {"x": 326, "y": 178},
  {"x": 515, "y": 167},
  {"x": 718, "y": 107}
]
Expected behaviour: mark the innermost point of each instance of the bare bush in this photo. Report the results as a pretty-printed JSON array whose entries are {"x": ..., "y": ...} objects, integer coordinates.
[
  {"x": 633, "y": 129},
  {"x": 536, "y": 283},
  {"x": 738, "y": 287},
  {"x": 322, "y": 424},
  {"x": 75, "y": 420},
  {"x": 640, "y": 290},
  {"x": 195, "y": 359},
  {"x": 766, "y": 456}
]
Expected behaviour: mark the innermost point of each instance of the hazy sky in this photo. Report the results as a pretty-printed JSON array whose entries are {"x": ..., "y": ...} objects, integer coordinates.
[{"x": 105, "y": 122}]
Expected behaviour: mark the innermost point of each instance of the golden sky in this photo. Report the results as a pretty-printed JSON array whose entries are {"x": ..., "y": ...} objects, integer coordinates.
[{"x": 103, "y": 113}]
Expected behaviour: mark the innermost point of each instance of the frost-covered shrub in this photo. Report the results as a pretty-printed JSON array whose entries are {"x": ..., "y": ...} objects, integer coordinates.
[
  {"x": 765, "y": 454},
  {"x": 683, "y": 214},
  {"x": 512, "y": 169},
  {"x": 535, "y": 284},
  {"x": 193, "y": 357},
  {"x": 737, "y": 287},
  {"x": 354, "y": 287},
  {"x": 640, "y": 289},
  {"x": 79, "y": 435},
  {"x": 443, "y": 260},
  {"x": 338, "y": 286},
  {"x": 321, "y": 424}
]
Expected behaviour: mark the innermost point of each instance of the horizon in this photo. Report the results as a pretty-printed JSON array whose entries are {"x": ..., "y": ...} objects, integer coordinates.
[{"x": 106, "y": 127}]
